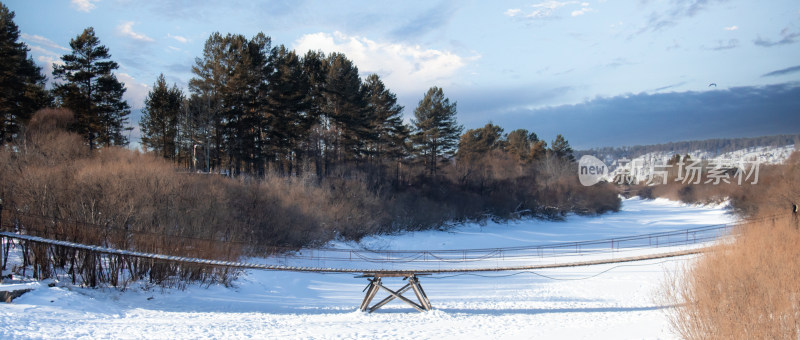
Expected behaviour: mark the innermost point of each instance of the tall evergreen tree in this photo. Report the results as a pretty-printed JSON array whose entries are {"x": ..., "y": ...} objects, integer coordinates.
[
  {"x": 476, "y": 143},
  {"x": 21, "y": 83},
  {"x": 525, "y": 146},
  {"x": 159, "y": 122},
  {"x": 210, "y": 75},
  {"x": 246, "y": 61},
  {"x": 538, "y": 150},
  {"x": 385, "y": 120},
  {"x": 437, "y": 131},
  {"x": 288, "y": 105},
  {"x": 92, "y": 91},
  {"x": 518, "y": 144},
  {"x": 230, "y": 77},
  {"x": 196, "y": 132},
  {"x": 320, "y": 138},
  {"x": 345, "y": 108},
  {"x": 561, "y": 149}
]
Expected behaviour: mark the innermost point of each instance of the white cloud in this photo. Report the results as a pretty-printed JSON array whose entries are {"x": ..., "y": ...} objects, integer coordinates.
[
  {"x": 404, "y": 68},
  {"x": 84, "y": 5},
  {"x": 40, "y": 40},
  {"x": 45, "y": 60},
  {"x": 731, "y": 28},
  {"x": 179, "y": 38},
  {"x": 42, "y": 51},
  {"x": 126, "y": 29},
  {"x": 547, "y": 9},
  {"x": 136, "y": 91},
  {"x": 581, "y": 11},
  {"x": 45, "y": 52},
  {"x": 46, "y": 63}
]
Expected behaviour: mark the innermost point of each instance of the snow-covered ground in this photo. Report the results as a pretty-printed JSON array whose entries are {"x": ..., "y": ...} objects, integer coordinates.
[{"x": 603, "y": 301}]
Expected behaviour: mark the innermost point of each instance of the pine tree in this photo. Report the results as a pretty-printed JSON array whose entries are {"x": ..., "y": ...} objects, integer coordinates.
[
  {"x": 477, "y": 143},
  {"x": 345, "y": 108},
  {"x": 92, "y": 91},
  {"x": 206, "y": 85},
  {"x": 21, "y": 83},
  {"x": 436, "y": 130},
  {"x": 112, "y": 111},
  {"x": 242, "y": 110},
  {"x": 385, "y": 120},
  {"x": 159, "y": 121},
  {"x": 538, "y": 150},
  {"x": 561, "y": 149},
  {"x": 288, "y": 120},
  {"x": 196, "y": 132},
  {"x": 320, "y": 138},
  {"x": 230, "y": 78},
  {"x": 518, "y": 144},
  {"x": 525, "y": 146}
]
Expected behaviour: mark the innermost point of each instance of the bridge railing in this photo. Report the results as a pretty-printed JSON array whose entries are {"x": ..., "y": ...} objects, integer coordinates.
[{"x": 507, "y": 256}]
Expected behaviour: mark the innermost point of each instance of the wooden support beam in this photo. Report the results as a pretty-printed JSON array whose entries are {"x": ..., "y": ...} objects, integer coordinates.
[
  {"x": 372, "y": 289},
  {"x": 388, "y": 298},
  {"x": 375, "y": 285},
  {"x": 424, "y": 296},
  {"x": 414, "y": 282},
  {"x": 402, "y": 298}
]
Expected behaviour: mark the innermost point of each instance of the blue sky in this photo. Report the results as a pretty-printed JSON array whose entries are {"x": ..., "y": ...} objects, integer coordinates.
[{"x": 519, "y": 64}]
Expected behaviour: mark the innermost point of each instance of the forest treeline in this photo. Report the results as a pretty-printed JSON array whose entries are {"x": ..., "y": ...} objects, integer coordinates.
[{"x": 312, "y": 150}]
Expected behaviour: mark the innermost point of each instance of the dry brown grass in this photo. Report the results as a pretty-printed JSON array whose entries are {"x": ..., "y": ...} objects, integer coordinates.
[{"x": 748, "y": 289}]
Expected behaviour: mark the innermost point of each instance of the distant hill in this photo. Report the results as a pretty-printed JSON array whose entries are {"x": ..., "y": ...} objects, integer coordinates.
[
  {"x": 642, "y": 160},
  {"x": 708, "y": 147}
]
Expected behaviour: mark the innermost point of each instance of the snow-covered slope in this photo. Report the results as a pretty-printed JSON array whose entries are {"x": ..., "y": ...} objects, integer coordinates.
[
  {"x": 643, "y": 164},
  {"x": 605, "y": 301}
]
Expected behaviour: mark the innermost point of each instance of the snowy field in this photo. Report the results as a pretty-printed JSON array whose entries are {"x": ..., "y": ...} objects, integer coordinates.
[{"x": 615, "y": 301}]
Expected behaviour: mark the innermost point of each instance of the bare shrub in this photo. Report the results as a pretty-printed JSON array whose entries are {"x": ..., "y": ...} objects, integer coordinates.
[
  {"x": 498, "y": 186},
  {"x": 777, "y": 189},
  {"x": 48, "y": 141},
  {"x": 49, "y": 120},
  {"x": 744, "y": 290}
]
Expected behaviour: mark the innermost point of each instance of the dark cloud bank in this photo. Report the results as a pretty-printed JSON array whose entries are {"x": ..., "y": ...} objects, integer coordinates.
[{"x": 660, "y": 118}]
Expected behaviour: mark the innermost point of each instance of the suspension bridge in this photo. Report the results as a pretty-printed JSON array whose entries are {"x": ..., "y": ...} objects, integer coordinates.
[{"x": 410, "y": 265}]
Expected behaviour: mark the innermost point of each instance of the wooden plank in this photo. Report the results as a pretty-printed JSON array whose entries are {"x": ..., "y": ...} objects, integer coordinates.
[{"x": 389, "y": 274}]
